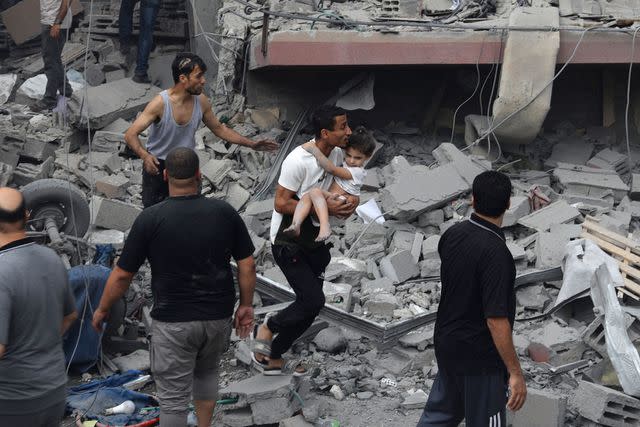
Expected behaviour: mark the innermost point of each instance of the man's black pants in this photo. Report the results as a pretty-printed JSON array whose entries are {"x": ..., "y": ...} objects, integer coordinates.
[
  {"x": 479, "y": 399},
  {"x": 303, "y": 269},
  {"x": 154, "y": 188},
  {"x": 53, "y": 68}
]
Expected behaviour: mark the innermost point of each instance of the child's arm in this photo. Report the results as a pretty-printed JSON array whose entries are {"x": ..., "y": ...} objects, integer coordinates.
[{"x": 325, "y": 163}]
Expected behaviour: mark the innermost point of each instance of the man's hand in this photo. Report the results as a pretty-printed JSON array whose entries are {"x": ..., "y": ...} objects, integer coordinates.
[
  {"x": 342, "y": 209},
  {"x": 265, "y": 145},
  {"x": 54, "y": 32},
  {"x": 517, "y": 391},
  {"x": 99, "y": 317},
  {"x": 150, "y": 164},
  {"x": 243, "y": 320}
]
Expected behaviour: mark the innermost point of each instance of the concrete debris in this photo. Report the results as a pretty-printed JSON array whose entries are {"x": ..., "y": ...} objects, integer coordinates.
[
  {"x": 606, "y": 406},
  {"x": 520, "y": 207},
  {"x": 113, "y": 186},
  {"x": 297, "y": 421},
  {"x": 338, "y": 295},
  {"x": 331, "y": 340},
  {"x": 399, "y": 266},
  {"x": 559, "y": 212},
  {"x": 216, "y": 171},
  {"x": 589, "y": 181},
  {"x": 7, "y": 81},
  {"x": 574, "y": 151},
  {"x": 138, "y": 360},
  {"x": 542, "y": 408},
  {"x": 113, "y": 214}
]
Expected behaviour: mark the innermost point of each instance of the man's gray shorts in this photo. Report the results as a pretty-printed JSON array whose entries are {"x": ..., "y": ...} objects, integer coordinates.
[{"x": 184, "y": 361}]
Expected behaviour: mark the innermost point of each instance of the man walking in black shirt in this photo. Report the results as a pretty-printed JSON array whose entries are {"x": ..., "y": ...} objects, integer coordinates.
[
  {"x": 189, "y": 241},
  {"x": 478, "y": 369}
]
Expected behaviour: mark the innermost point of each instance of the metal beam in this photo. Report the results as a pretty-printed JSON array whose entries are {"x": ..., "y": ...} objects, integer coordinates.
[{"x": 333, "y": 48}]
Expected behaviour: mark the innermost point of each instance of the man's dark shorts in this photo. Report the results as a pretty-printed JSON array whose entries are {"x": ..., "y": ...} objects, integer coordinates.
[{"x": 154, "y": 188}]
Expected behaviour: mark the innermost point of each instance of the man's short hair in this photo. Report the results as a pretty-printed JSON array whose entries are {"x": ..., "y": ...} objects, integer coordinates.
[
  {"x": 184, "y": 63},
  {"x": 362, "y": 140},
  {"x": 491, "y": 193},
  {"x": 325, "y": 118},
  {"x": 182, "y": 163},
  {"x": 12, "y": 219}
]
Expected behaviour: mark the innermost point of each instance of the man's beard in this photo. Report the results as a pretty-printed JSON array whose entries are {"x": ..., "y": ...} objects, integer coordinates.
[{"x": 194, "y": 91}]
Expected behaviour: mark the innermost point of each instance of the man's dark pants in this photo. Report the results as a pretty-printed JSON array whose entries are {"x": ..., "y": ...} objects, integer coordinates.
[
  {"x": 303, "y": 269},
  {"x": 46, "y": 417},
  {"x": 148, "y": 14},
  {"x": 53, "y": 68},
  {"x": 479, "y": 399},
  {"x": 154, "y": 188}
]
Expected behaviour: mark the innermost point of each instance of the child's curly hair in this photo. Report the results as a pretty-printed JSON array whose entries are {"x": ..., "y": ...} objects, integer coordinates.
[{"x": 362, "y": 140}]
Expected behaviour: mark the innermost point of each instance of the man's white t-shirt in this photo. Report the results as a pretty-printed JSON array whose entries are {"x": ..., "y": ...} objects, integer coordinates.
[
  {"x": 300, "y": 172},
  {"x": 49, "y": 10}
]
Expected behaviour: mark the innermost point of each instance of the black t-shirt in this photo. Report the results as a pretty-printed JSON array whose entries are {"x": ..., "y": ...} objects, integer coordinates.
[
  {"x": 189, "y": 241},
  {"x": 478, "y": 276}
]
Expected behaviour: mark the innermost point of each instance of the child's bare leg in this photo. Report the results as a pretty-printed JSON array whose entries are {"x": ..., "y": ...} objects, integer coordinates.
[
  {"x": 322, "y": 212},
  {"x": 299, "y": 215}
]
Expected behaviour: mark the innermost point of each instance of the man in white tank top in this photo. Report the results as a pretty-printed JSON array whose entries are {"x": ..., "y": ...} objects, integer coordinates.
[{"x": 174, "y": 116}]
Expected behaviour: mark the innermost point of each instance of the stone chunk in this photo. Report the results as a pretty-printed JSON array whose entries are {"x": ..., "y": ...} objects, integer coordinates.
[
  {"x": 138, "y": 360},
  {"x": 331, "y": 340},
  {"x": 381, "y": 304},
  {"x": 519, "y": 207},
  {"x": 261, "y": 209},
  {"x": 550, "y": 248},
  {"x": 370, "y": 287},
  {"x": 418, "y": 338},
  {"x": 399, "y": 266},
  {"x": 430, "y": 247},
  {"x": 559, "y": 212},
  {"x": 586, "y": 181},
  {"x": 606, "y": 406},
  {"x": 113, "y": 186},
  {"x": 237, "y": 196},
  {"x": 434, "y": 218},
  {"x": 542, "y": 408},
  {"x": 415, "y": 400},
  {"x": 348, "y": 270},
  {"x": 113, "y": 214},
  {"x": 109, "y": 101},
  {"x": 25, "y": 173},
  {"x": 38, "y": 150}
]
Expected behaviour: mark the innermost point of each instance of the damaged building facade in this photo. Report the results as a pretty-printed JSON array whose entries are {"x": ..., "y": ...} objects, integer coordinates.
[{"x": 542, "y": 90}]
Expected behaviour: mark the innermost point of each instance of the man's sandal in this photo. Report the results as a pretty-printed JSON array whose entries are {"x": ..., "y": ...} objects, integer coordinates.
[
  {"x": 259, "y": 346},
  {"x": 290, "y": 367}
]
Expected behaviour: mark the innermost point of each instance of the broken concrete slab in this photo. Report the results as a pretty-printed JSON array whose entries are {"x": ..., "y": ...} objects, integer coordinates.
[
  {"x": 381, "y": 304},
  {"x": 260, "y": 209},
  {"x": 297, "y": 421},
  {"x": 559, "y": 212},
  {"x": 399, "y": 266},
  {"x": 237, "y": 196},
  {"x": 113, "y": 214},
  {"x": 113, "y": 186},
  {"x": 605, "y": 405},
  {"x": 266, "y": 119},
  {"x": 550, "y": 249},
  {"x": 25, "y": 173},
  {"x": 434, "y": 218},
  {"x": 370, "y": 287},
  {"x": 418, "y": 338},
  {"x": 575, "y": 150},
  {"x": 345, "y": 269},
  {"x": 105, "y": 103},
  {"x": 7, "y": 81},
  {"x": 38, "y": 150},
  {"x": 415, "y": 400},
  {"x": 586, "y": 181},
  {"x": 217, "y": 170},
  {"x": 541, "y": 409},
  {"x": 338, "y": 294},
  {"x": 430, "y": 247},
  {"x": 107, "y": 237},
  {"x": 609, "y": 159},
  {"x": 519, "y": 208}
]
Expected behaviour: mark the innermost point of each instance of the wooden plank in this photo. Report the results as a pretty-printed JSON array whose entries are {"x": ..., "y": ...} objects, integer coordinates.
[
  {"x": 623, "y": 290},
  {"x": 611, "y": 248},
  {"x": 632, "y": 286},
  {"x": 628, "y": 270},
  {"x": 624, "y": 241}
]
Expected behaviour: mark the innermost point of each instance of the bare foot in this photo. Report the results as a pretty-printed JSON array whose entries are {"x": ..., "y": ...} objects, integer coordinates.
[
  {"x": 292, "y": 231},
  {"x": 324, "y": 233}
]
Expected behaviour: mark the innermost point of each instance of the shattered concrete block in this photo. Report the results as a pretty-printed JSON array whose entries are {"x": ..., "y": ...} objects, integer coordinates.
[
  {"x": 532, "y": 297},
  {"x": 338, "y": 294},
  {"x": 550, "y": 249},
  {"x": 107, "y": 237},
  {"x": 381, "y": 304},
  {"x": 394, "y": 363},
  {"x": 138, "y": 360},
  {"x": 25, "y": 173},
  {"x": 373, "y": 252},
  {"x": 430, "y": 247},
  {"x": 260, "y": 209},
  {"x": 401, "y": 240},
  {"x": 348, "y": 270},
  {"x": 237, "y": 417},
  {"x": 237, "y": 196},
  {"x": 519, "y": 207},
  {"x": 370, "y": 287},
  {"x": 242, "y": 352},
  {"x": 113, "y": 164},
  {"x": 415, "y": 400},
  {"x": 6, "y": 174},
  {"x": 556, "y": 213},
  {"x": 605, "y": 405},
  {"x": 430, "y": 267},
  {"x": 618, "y": 222},
  {"x": 38, "y": 150},
  {"x": 586, "y": 181},
  {"x": 109, "y": 101},
  {"x": 110, "y": 142},
  {"x": 416, "y": 246},
  {"x": 297, "y": 421},
  {"x": 112, "y": 76},
  {"x": 7, "y": 81},
  {"x": 434, "y": 217},
  {"x": 541, "y": 408},
  {"x": 575, "y": 151},
  {"x": 634, "y": 194},
  {"x": 331, "y": 340},
  {"x": 266, "y": 119},
  {"x": 216, "y": 170},
  {"x": 113, "y": 186},
  {"x": 517, "y": 251},
  {"x": 399, "y": 266},
  {"x": 594, "y": 336},
  {"x": 113, "y": 214},
  {"x": 553, "y": 334},
  {"x": 609, "y": 159},
  {"x": 418, "y": 338},
  {"x": 416, "y": 189}
]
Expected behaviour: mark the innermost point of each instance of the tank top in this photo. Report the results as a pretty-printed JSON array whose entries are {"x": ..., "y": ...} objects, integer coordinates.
[{"x": 166, "y": 135}]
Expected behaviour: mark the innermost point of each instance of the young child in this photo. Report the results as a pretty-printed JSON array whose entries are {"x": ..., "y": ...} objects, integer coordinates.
[{"x": 347, "y": 180}]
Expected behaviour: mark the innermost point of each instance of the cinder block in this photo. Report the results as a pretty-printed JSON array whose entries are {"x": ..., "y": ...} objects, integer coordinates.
[
  {"x": 541, "y": 409},
  {"x": 338, "y": 295},
  {"x": 381, "y": 304},
  {"x": 113, "y": 186},
  {"x": 38, "y": 150},
  {"x": 261, "y": 209},
  {"x": 399, "y": 266},
  {"x": 237, "y": 196},
  {"x": 519, "y": 207},
  {"x": 606, "y": 406},
  {"x": 113, "y": 214},
  {"x": 370, "y": 287},
  {"x": 216, "y": 170},
  {"x": 25, "y": 173},
  {"x": 430, "y": 247},
  {"x": 593, "y": 335}
]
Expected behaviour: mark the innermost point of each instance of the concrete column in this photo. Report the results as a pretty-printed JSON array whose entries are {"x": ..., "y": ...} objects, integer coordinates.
[{"x": 206, "y": 12}]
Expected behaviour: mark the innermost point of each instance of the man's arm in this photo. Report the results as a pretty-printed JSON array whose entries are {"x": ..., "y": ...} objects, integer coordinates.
[
  {"x": 151, "y": 113},
  {"x": 221, "y": 131},
  {"x": 500, "y": 329},
  {"x": 67, "y": 321},
  {"x": 285, "y": 203},
  {"x": 247, "y": 283},
  {"x": 54, "y": 32},
  {"x": 325, "y": 163},
  {"x": 117, "y": 285}
]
